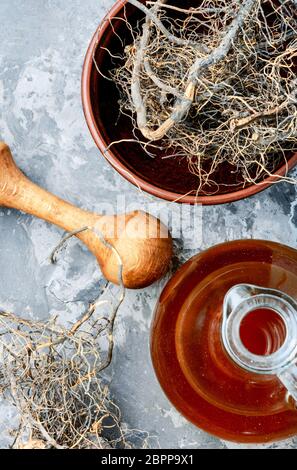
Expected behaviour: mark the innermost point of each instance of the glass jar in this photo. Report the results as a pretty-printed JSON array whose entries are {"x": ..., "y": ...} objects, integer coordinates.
[{"x": 224, "y": 341}]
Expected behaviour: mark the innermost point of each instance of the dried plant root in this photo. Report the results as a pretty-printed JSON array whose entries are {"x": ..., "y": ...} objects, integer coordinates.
[
  {"x": 182, "y": 106},
  {"x": 217, "y": 85},
  {"x": 51, "y": 373}
]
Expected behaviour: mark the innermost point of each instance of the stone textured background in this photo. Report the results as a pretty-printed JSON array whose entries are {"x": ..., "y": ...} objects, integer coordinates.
[{"x": 42, "y": 47}]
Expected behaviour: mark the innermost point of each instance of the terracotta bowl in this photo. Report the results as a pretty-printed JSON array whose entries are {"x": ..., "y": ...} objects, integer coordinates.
[{"x": 166, "y": 178}]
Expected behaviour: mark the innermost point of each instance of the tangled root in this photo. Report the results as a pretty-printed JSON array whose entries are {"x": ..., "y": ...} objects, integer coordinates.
[
  {"x": 51, "y": 373},
  {"x": 215, "y": 84}
]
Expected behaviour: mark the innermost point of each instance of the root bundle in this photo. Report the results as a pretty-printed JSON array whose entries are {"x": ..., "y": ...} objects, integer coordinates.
[
  {"x": 214, "y": 83},
  {"x": 52, "y": 374}
]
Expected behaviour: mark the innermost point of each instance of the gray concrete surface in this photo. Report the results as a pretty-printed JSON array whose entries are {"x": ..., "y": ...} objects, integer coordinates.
[{"x": 42, "y": 47}]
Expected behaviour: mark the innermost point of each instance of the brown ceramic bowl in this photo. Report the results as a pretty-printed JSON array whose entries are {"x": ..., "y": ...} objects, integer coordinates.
[{"x": 170, "y": 178}]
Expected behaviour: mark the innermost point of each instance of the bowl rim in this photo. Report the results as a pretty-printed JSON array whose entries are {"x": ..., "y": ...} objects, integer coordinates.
[{"x": 128, "y": 173}]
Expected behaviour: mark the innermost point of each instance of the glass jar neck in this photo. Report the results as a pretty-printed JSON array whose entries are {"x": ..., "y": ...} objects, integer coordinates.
[{"x": 240, "y": 301}]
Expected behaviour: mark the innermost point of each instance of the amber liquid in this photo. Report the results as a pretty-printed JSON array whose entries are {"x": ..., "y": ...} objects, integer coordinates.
[
  {"x": 262, "y": 331},
  {"x": 187, "y": 351}
]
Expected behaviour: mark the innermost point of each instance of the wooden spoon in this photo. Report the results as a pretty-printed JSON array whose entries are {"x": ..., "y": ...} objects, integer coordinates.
[{"x": 142, "y": 241}]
